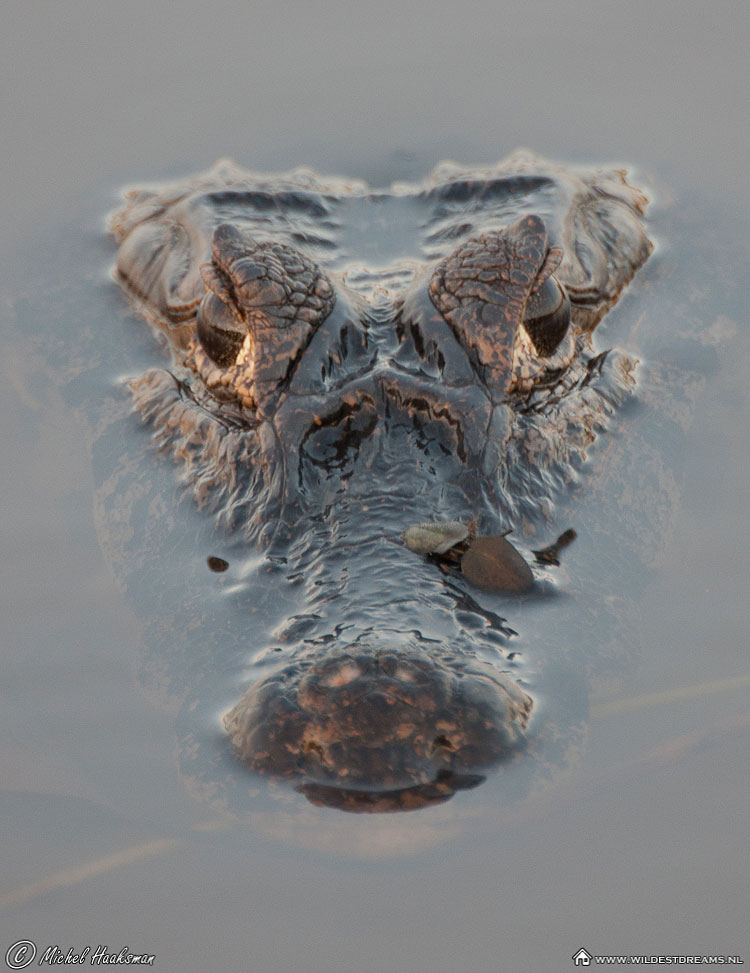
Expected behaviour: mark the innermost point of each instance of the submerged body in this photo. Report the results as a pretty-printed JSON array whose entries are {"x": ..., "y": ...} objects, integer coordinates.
[{"x": 322, "y": 405}]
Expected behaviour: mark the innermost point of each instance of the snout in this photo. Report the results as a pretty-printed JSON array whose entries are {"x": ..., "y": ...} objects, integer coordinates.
[{"x": 379, "y": 721}]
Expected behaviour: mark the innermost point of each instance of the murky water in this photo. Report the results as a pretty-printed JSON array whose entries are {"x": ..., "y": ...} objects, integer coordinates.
[{"x": 637, "y": 843}]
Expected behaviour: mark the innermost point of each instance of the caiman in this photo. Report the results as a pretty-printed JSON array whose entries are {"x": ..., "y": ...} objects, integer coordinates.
[{"x": 345, "y": 363}]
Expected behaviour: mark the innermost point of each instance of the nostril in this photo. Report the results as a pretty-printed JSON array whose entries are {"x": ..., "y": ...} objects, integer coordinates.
[
  {"x": 442, "y": 742},
  {"x": 312, "y": 746},
  {"x": 388, "y": 665}
]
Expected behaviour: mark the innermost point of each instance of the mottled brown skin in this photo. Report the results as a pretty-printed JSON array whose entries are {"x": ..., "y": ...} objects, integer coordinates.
[
  {"x": 293, "y": 389},
  {"x": 398, "y": 718},
  {"x": 263, "y": 304},
  {"x": 483, "y": 288}
]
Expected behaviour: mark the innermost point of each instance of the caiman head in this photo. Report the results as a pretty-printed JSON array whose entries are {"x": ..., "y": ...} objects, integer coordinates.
[{"x": 295, "y": 387}]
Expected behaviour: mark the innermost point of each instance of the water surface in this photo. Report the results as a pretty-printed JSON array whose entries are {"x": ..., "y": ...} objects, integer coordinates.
[{"x": 638, "y": 846}]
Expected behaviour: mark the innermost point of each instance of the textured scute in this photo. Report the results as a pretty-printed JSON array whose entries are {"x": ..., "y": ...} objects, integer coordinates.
[
  {"x": 593, "y": 214},
  {"x": 482, "y": 290}
]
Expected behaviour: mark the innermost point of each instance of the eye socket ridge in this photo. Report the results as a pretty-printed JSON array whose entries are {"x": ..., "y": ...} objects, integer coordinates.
[
  {"x": 547, "y": 316},
  {"x": 216, "y": 329}
]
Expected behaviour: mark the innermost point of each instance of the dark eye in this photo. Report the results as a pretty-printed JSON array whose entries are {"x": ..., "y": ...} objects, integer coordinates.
[
  {"x": 547, "y": 316},
  {"x": 218, "y": 331}
]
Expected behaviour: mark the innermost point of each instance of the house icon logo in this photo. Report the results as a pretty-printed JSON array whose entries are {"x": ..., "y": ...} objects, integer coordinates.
[{"x": 582, "y": 958}]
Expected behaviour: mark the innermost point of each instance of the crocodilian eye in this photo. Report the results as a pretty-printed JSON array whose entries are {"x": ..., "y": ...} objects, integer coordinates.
[
  {"x": 217, "y": 330},
  {"x": 547, "y": 316}
]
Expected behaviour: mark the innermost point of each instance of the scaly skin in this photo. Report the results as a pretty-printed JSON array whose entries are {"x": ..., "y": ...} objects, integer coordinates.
[{"x": 311, "y": 412}]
